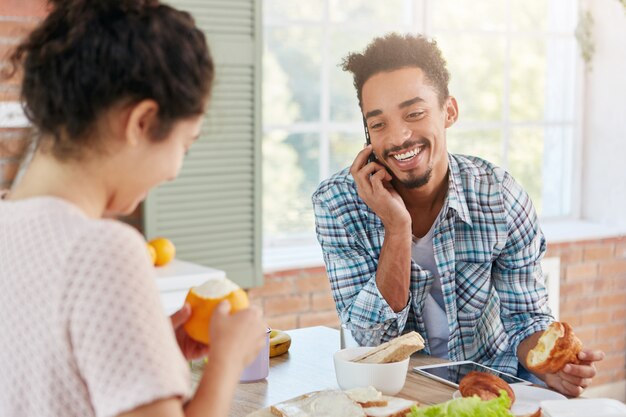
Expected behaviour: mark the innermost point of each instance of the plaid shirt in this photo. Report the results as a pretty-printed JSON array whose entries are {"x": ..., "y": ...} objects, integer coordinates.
[{"x": 487, "y": 244}]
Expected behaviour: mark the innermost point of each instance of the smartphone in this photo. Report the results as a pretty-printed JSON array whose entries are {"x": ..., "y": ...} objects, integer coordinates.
[
  {"x": 451, "y": 373},
  {"x": 372, "y": 157}
]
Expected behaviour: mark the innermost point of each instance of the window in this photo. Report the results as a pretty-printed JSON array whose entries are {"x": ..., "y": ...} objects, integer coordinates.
[{"x": 513, "y": 68}]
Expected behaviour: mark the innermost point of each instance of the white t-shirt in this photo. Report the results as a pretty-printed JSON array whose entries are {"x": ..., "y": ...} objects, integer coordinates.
[
  {"x": 434, "y": 313},
  {"x": 82, "y": 328}
]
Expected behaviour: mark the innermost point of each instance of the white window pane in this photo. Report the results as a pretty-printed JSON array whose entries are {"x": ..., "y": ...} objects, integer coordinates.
[
  {"x": 297, "y": 52},
  {"x": 290, "y": 175},
  {"x": 468, "y": 14},
  {"x": 484, "y": 143},
  {"x": 544, "y": 15},
  {"x": 285, "y": 10},
  {"x": 526, "y": 151},
  {"x": 528, "y": 79},
  {"x": 476, "y": 65},
  {"x": 371, "y": 12},
  {"x": 557, "y": 171},
  {"x": 343, "y": 149},
  {"x": 560, "y": 92},
  {"x": 344, "y": 104}
]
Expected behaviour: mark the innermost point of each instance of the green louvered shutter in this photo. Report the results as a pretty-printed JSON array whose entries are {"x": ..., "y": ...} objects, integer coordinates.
[{"x": 212, "y": 211}]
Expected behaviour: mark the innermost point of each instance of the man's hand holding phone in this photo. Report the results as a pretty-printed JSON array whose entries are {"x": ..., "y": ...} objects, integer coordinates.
[{"x": 375, "y": 189}]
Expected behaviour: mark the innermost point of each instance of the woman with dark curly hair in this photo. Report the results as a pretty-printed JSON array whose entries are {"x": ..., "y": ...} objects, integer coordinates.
[{"x": 117, "y": 90}]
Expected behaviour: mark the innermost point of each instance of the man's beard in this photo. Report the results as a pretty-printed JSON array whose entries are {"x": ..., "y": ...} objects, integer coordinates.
[{"x": 414, "y": 181}]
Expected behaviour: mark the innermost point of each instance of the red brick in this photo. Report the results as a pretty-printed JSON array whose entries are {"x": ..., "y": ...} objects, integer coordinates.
[
  {"x": 325, "y": 318},
  {"x": 610, "y": 330},
  {"x": 596, "y": 317},
  {"x": 9, "y": 170},
  {"x": 612, "y": 268},
  {"x": 582, "y": 271},
  {"x": 290, "y": 304},
  {"x": 572, "y": 256},
  {"x": 285, "y": 322},
  {"x": 614, "y": 361},
  {"x": 599, "y": 252},
  {"x": 572, "y": 289},
  {"x": 17, "y": 28},
  {"x": 613, "y": 300},
  {"x": 24, "y": 8},
  {"x": 620, "y": 250},
  {"x": 322, "y": 301},
  {"x": 577, "y": 305},
  {"x": 572, "y": 319},
  {"x": 316, "y": 283},
  {"x": 586, "y": 335},
  {"x": 13, "y": 148},
  {"x": 273, "y": 288},
  {"x": 619, "y": 314}
]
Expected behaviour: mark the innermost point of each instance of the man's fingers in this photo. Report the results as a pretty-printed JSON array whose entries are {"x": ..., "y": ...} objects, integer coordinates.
[
  {"x": 579, "y": 371},
  {"x": 589, "y": 356},
  {"x": 361, "y": 160},
  {"x": 571, "y": 389}
]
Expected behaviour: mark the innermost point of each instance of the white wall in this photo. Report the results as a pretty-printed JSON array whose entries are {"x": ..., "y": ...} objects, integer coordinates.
[{"x": 603, "y": 194}]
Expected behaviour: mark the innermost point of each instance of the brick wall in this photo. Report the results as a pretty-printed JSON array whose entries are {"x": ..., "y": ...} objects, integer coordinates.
[
  {"x": 17, "y": 19},
  {"x": 593, "y": 298}
]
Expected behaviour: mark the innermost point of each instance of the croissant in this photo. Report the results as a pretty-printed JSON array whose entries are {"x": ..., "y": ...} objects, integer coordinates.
[
  {"x": 486, "y": 386},
  {"x": 557, "y": 346}
]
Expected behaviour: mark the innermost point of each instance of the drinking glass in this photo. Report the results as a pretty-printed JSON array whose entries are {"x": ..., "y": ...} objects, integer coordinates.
[{"x": 353, "y": 335}]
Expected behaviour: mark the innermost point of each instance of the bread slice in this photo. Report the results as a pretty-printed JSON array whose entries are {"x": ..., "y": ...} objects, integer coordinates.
[
  {"x": 395, "y": 350},
  {"x": 334, "y": 403},
  {"x": 367, "y": 397},
  {"x": 396, "y": 407}
]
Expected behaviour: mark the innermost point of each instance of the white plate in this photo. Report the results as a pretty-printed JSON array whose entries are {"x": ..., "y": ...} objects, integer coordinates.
[
  {"x": 598, "y": 407},
  {"x": 527, "y": 398}
]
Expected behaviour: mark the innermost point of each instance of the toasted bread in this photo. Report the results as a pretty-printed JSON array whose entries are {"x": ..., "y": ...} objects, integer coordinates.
[
  {"x": 395, "y": 350},
  {"x": 556, "y": 347}
]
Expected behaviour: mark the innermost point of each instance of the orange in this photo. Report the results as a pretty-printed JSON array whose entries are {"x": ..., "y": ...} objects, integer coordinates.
[
  {"x": 203, "y": 300},
  {"x": 152, "y": 252},
  {"x": 165, "y": 250}
]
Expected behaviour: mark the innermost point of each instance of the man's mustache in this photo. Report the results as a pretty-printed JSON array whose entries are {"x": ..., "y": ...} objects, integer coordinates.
[{"x": 408, "y": 144}]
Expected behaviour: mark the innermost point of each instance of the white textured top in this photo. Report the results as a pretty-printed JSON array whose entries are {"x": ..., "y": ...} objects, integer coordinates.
[{"x": 82, "y": 328}]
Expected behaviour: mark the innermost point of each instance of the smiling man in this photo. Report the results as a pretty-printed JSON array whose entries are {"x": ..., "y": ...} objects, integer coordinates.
[{"x": 420, "y": 239}]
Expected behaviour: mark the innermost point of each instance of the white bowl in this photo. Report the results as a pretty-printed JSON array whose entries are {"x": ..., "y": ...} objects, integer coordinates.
[{"x": 387, "y": 378}]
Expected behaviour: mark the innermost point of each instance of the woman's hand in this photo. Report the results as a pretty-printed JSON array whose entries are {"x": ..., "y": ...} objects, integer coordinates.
[
  {"x": 236, "y": 337},
  {"x": 190, "y": 348}
]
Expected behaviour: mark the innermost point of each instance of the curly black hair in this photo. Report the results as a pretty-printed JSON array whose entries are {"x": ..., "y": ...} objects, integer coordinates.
[
  {"x": 394, "y": 51},
  {"x": 89, "y": 55}
]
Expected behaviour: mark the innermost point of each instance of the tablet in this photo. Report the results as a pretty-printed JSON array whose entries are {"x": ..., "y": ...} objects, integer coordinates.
[{"x": 451, "y": 373}]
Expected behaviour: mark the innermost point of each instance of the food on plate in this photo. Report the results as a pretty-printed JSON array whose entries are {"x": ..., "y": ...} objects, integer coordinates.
[
  {"x": 367, "y": 397},
  {"x": 203, "y": 300},
  {"x": 395, "y": 350},
  {"x": 279, "y": 342},
  {"x": 467, "y": 407},
  {"x": 338, "y": 403},
  {"x": 485, "y": 385},
  {"x": 165, "y": 250},
  {"x": 557, "y": 346}
]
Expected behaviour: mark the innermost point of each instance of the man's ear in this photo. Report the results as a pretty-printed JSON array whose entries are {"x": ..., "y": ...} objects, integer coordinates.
[
  {"x": 142, "y": 117},
  {"x": 452, "y": 111}
]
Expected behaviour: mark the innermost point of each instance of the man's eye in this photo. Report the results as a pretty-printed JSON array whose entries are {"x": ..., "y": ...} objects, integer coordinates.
[
  {"x": 415, "y": 115},
  {"x": 376, "y": 126}
]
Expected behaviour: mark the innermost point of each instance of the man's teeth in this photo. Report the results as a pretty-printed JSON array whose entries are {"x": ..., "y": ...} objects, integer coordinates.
[{"x": 407, "y": 155}]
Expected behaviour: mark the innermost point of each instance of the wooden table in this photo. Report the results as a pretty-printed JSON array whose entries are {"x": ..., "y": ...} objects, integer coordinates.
[{"x": 309, "y": 367}]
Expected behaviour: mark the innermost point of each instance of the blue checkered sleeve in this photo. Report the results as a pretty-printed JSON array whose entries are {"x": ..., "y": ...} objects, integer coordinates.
[
  {"x": 517, "y": 273},
  {"x": 352, "y": 271}
]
